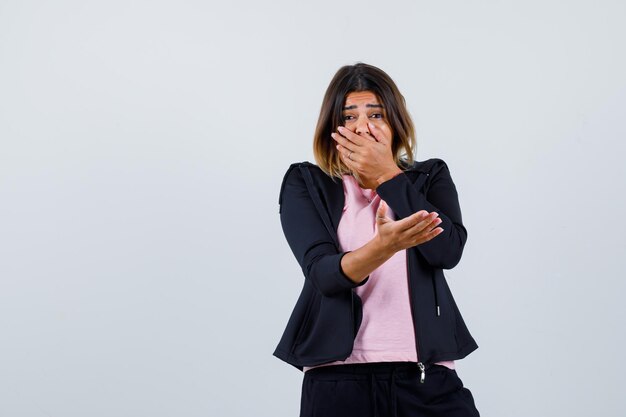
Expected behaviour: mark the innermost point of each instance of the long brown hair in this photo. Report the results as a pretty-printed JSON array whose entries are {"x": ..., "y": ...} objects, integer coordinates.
[{"x": 355, "y": 78}]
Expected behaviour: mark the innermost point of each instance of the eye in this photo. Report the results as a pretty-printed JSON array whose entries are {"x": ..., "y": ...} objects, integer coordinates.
[
  {"x": 347, "y": 117},
  {"x": 377, "y": 115}
]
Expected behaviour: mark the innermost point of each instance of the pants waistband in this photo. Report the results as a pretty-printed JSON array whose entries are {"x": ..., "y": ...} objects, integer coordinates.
[{"x": 363, "y": 369}]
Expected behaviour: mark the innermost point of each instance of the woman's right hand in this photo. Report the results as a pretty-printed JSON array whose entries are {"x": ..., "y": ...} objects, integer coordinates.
[{"x": 395, "y": 235}]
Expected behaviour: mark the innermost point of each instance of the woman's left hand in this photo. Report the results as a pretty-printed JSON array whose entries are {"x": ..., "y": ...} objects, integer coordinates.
[{"x": 369, "y": 155}]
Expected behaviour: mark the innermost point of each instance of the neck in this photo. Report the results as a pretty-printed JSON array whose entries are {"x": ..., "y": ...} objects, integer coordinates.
[{"x": 367, "y": 183}]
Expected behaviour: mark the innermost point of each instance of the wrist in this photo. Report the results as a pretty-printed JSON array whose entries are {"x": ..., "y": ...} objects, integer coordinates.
[
  {"x": 381, "y": 249},
  {"x": 388, "y": 175}
]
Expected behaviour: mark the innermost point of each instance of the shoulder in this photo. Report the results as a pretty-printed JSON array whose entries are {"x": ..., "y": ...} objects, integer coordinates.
[
  {"x": 291, "y": 168},
  {"x": 435, "y": 170},
  {"x": 429, "y": 166},
  {"x": 294, "y": 178},
  {"x": 293, "y": 172},
  {"x": 303, "y": 176}
]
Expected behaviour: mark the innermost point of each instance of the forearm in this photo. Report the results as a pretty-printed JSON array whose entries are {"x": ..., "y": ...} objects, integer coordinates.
[{"x": 358, "y": 264}]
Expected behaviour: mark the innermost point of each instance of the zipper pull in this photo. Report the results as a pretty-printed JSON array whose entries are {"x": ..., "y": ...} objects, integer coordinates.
[{"x": 422, "y": 372}]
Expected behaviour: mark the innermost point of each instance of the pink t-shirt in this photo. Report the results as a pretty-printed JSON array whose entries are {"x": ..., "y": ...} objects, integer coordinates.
[{"x": 386, "y": 333}]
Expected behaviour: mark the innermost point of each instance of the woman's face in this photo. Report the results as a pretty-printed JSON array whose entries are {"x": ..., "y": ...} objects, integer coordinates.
[{"x": 362, "y": 107}]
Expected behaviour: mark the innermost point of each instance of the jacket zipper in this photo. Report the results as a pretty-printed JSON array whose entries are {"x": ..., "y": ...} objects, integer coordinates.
[{"x": 420, "y": 365}]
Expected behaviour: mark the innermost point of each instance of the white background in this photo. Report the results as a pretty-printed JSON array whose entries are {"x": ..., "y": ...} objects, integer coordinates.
[{"x": 143, "y": 270}]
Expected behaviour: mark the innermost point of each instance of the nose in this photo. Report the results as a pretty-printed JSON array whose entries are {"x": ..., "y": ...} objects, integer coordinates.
[{"x": 361, "y": 126}]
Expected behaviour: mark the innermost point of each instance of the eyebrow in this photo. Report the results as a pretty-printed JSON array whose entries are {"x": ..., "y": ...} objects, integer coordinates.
[{"x": 367, "y": 105}]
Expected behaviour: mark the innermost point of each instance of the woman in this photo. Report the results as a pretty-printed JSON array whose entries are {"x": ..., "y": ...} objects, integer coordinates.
[{"x": 375, "y": 329}]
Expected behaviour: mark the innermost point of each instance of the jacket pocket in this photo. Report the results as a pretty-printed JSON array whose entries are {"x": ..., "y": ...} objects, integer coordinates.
[
  {"x": 305, "y": 324},
  {"x": 327, "y": 332}
]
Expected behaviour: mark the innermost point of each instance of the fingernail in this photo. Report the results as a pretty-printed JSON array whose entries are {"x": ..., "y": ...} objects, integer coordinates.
[
  {"x": 371, "y": 125},
  {"x": 340, "y": 128}
]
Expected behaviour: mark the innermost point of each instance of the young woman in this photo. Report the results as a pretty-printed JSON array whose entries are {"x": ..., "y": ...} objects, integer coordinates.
[{"x": 375, "y": 329}]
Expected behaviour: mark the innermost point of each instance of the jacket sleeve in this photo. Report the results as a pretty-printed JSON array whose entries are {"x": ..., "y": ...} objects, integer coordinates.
[
  {"x": 444, "y": 250},
  {"x": 308, "y": 238}
]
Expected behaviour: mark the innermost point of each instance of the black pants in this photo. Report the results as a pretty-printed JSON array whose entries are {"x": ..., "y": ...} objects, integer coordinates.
[{"x": 384, "y": 389}]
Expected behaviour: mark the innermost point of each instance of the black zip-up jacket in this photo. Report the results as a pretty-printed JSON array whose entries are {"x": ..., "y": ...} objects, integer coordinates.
[{"x": 328, "y": 313}]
